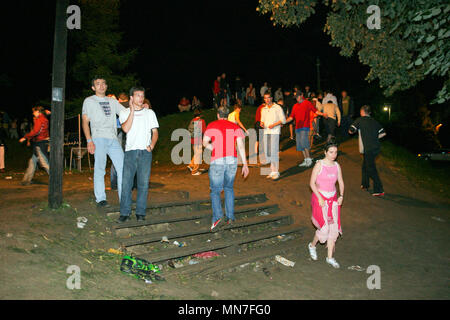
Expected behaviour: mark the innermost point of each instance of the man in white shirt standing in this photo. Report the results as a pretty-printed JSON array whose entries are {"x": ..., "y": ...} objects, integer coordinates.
[
  {"x": 100, "y": 128},
  {"x": 141, "y": 126},
  {"x": 272, "y": 116}
]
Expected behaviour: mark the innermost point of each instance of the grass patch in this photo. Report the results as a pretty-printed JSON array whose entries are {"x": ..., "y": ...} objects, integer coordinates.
[{"x": 430, "y": 175}]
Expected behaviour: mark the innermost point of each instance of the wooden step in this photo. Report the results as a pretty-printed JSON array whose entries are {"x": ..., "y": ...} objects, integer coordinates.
[
  {"x": 197, "y": 204},
  {"x": 168, "y": 218},
  {"x": 231, "y": 261},
  {"x": 154, "y": 237},
  {"x": 220, "y": 244}
]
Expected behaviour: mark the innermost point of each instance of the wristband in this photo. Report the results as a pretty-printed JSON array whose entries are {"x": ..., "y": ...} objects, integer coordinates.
[{"x": 89, "y": 140}]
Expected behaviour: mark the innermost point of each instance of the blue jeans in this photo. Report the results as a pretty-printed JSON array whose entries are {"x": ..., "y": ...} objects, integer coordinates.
[
  {"x": 135, "y": 162},
  {"x": 39, "y": 156},
  {"x": 113, "y": 149},
  {"x": 221, "y": 177}
]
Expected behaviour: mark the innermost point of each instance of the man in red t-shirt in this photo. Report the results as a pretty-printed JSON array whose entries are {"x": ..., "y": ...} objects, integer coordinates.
[
  {"x": 221, "y": 137},
  {"x": 216, "y": 91},
  {"x": 257, "y": 128},
  {"x": 301, "y": 114}
]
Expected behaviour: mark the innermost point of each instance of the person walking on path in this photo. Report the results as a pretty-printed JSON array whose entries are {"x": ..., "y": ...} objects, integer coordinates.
[
  {"x": 272, "y": 117},
  {"x": 258, "y": 130},
  {"x": 141, "y": 126},
  {"x": 234, "y": 117},
  {"x": 332, "y": 119},
  {"x": 325, "y": 203},
  {"x": 370, "y": 132},
  {"x": 301, "y": 114},
  {"x": 221, "y": 137},
  {"x": 100, "y": 128},
  {"x": 40, "y": 137},
  {"x": 197, "y": 128}
]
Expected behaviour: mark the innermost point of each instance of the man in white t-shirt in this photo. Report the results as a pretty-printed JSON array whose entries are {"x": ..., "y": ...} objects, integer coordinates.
[
  {"x": 100, "y": 128},
  {"x": 141, "y": 126},
  {"x": 272, "y": 117}
]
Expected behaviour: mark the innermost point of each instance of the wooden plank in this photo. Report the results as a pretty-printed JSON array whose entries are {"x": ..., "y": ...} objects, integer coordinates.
[
  {"x": 232, "y": 261},
  {"x": 167, "y": 218},
  {"x": 215, "y": 245},
  {"x": 148, "y": 238},
  {"x": 240, "y": 200}
]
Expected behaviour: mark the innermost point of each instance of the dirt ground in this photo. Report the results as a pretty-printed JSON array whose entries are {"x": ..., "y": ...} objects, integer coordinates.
[{"x": 405, "y": 234}]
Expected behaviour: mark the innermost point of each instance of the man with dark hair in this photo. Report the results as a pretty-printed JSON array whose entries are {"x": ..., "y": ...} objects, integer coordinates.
[
  {"x": 289, "y": 101},
  {"x": 272, "y": 117},
  {"x": 221, "y": 137},
  {"x": 100, "y": 128},
  {"x": 40, "y": 137},
  {"x": 370, "y": 131},
  {"x": 224, "y": 88},
  {"x": 141, "y": 126},
  {"x": 301, "y": 113}
]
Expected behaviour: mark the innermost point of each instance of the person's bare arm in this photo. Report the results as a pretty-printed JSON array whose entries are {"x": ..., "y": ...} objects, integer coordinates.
[
  {"x": 240, "y": 123},
  {"x": 312, "y": 183},
  {"x": 87, "y": 133},
  {"x": 155, "y": 137},
  {"x": 207, "y": 142},
  {"x": 126, "y": 125},
  {"x": 241, "y": 150},
  {"x": 341, "y": 186}
]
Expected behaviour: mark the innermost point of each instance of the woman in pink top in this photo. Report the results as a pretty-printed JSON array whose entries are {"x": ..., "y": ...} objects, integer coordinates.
[{"x": 326, "y": 205}]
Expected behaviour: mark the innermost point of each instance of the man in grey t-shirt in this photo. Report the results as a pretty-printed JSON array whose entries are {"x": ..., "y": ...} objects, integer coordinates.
[{"x": 100, "y": 113}]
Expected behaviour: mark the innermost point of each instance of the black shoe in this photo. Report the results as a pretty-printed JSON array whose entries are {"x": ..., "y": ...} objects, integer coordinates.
[
  {"x": 103, "y": 204},
  {"x": 140, "y": 217},
  {"x": 122, "y": 219},
  {"x": 25, "y": 183}
]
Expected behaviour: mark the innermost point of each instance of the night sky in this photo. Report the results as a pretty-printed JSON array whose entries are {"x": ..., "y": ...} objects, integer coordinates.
[{"x": 183, "y": 47}]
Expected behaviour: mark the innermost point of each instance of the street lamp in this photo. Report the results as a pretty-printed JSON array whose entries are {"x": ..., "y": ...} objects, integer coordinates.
[{"x": 387, "y": 108}]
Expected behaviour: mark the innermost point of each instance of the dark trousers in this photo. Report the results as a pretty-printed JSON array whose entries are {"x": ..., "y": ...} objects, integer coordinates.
[
  {"x": 346, "y": 121},
  {"x": 369, "y": 171},
  {"x": 330, "y": 125}
]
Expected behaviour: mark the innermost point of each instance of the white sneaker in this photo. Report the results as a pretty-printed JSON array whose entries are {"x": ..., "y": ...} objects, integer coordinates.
[
  {"x": 333, "y": 262},
  {"x": 305, "y": 163},
  {"x": 270, "y": 175},
  {"x": 312, "y": 252},
  {"x": 310, "y": 162},
  {"x": 275, "y": 175}
]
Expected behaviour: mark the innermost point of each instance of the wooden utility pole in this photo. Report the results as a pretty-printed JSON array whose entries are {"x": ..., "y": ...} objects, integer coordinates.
[
  {"x": 55, "y": 195},
  {"x": 318, "y": 73}
]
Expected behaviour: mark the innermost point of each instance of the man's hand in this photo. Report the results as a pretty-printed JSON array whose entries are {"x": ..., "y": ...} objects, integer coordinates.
[
  {"x": 131, "y": 104},
  {"x": 149, "y": 148},
  {"x": 91, "y": 147},
  {"x": 22, "y": 140},
  {"x": 339, "y": 124},
  {"x": 245, "y": 171}
]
